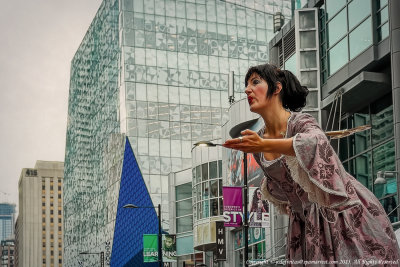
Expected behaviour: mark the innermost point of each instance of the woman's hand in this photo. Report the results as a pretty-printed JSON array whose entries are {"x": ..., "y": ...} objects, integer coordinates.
[{"x": 249, "y": 142}]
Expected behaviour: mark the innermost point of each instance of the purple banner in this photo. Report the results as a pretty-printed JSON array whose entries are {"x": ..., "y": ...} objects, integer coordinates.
[{"x": 233, "y": 206}]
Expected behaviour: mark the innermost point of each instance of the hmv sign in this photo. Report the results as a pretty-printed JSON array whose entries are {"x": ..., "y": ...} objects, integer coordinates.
[{"x": 220, "y": 253}]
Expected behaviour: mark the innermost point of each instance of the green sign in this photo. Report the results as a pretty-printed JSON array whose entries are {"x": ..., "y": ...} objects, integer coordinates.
[{"x": 150, "y": 248}]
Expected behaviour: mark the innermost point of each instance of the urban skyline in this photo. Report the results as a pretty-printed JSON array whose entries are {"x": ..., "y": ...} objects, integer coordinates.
[{"x": 35, "y": 80}]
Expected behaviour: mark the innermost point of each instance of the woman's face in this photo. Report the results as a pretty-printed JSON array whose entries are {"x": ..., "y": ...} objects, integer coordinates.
[
  {"x": 256, "y": 92},
  {"x": 258, "y": 194}
]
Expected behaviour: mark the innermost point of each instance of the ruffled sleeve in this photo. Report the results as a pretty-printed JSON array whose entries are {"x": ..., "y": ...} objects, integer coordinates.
[{"x": 316, "y": 168}]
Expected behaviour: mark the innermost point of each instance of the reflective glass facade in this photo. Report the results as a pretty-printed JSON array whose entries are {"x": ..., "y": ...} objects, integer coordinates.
[
  {"x": 347, "y": 28},
  {"x": 176, "y": 57},
  {"x": 92, "y": 118},
  {"x": 156, "y": 71},
  {"x": 7, "y": 213},
  {"x": 365, "y": 153}
]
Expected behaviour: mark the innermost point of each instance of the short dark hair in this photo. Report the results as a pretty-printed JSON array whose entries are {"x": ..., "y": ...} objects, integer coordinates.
[{"x": 293, "y": 95}]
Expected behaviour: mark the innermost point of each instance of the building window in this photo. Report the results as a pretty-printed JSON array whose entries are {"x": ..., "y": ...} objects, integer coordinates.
[
  {"x": 358, "y": 10},
  {"x": 183, "y": 191},
  {"x": 184, "y": 224},
  {"x": 290, "y": 64},
  {"x": 333, "y": 6},
  {"x": 338, "y": 56},
  {"x": 382, "y": 19},
  {"x": 207, "y": 189},
  {"x": 337, "y": 28},
  {"x": 360, "y": 38}
]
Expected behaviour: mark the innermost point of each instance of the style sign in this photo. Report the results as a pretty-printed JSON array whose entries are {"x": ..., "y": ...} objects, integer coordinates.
[{"x": 233, "y": 206}]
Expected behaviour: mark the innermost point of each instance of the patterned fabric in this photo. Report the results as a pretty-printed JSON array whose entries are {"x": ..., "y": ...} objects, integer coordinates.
[{"x": 333, "y": 217}]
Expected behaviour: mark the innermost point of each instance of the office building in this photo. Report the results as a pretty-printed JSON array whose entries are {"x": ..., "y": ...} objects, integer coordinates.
[
  {"x": 7, "y": 220},
  {"x": 39, "y": 227},
  {"x": 7, "y": 252},
  {"x": 157, "y": 72},
  {"x": 355, "y": 82}
]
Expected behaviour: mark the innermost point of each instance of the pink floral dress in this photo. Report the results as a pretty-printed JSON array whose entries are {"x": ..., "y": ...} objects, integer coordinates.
[{"x": 334, "y": 219}]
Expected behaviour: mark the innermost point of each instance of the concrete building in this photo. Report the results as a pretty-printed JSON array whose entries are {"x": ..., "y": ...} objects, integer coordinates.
[
  {"x": 16, "y": 238},
  {"x": 39, "y": 227},
  {"x": 7, "y": 252},
  {"x": 7, "y": 220},
  {"x": 156, "y": 72}
]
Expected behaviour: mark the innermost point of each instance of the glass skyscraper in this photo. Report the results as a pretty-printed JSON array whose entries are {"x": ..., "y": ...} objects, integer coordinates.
[
  {"x": 7, "y": 220},
  {"x": 157, "y": 72}
]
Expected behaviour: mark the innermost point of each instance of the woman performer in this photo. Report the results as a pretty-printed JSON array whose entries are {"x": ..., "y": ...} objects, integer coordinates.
[{"x": 333, "y": 218}]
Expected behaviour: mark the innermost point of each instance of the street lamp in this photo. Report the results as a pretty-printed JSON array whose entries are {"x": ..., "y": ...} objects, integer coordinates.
[
  {"x": 381, "y": 178},
  {"x": 131, "y": 206},
  {"x": 205, "y": 144},
  {"x": 95, "y": 253},
  {"x": 245, "y": 192}
]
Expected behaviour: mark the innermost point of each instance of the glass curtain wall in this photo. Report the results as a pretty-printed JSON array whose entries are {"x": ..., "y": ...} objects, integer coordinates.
[
  {"x": 346, "y": 30},
  {"x": 93, "y": 117},
  {"x": 365, "y": 153},
  {"x": 176, "y": 58}
]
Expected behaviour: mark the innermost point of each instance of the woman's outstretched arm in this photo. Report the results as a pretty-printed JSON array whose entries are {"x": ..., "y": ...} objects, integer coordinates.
[{"x": 251, "y": 142}]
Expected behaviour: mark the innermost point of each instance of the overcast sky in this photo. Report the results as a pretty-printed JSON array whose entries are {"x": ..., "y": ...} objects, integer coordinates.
[{"x": 38, "y": 39}]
